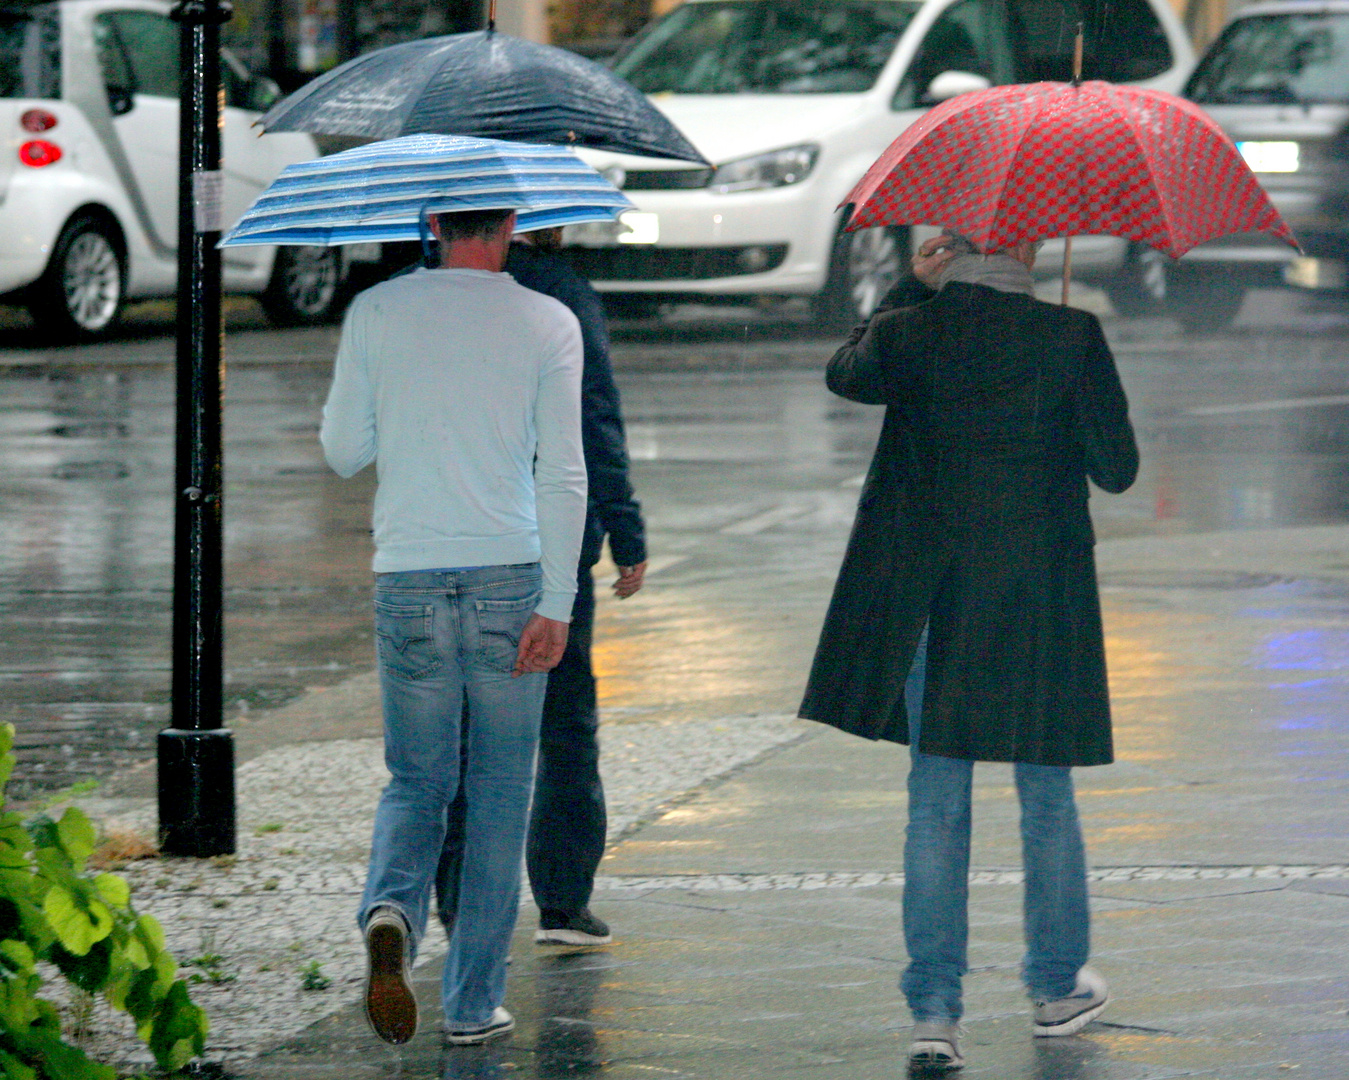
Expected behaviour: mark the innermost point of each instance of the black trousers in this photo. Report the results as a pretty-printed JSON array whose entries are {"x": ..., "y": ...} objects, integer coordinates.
[{"x": 567, "y": 821}]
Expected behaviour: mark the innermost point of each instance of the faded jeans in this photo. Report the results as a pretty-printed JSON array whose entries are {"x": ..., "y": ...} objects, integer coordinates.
[
  {"x": 937, "y": 865},
  {"x": 443, "y": 637}
]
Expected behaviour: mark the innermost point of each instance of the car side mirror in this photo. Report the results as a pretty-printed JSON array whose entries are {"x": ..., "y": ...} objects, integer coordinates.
[
  {"x": 263, "y": 93},
  {"x": 951, "y": 84},
  {"x": 121, "y": 100}
]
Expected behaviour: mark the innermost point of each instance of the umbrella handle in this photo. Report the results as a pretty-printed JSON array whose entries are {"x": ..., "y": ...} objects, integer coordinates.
[{"x": 491, "y": 15}]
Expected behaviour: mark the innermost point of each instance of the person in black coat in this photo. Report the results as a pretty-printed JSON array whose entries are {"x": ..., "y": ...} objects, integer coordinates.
[
  {"x": 966, "y": 619},
  {"x": 567, "y": 823}
]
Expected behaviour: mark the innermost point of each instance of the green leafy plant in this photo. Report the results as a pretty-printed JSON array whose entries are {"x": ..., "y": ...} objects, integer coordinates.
[
  {"x": 53, "y": 909},
  {"x": 312, "y": 977}
]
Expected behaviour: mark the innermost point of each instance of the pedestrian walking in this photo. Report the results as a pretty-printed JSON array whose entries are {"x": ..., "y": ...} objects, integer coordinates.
[
  {"x": 966, "y": 619},
  {"x": 464, "y": 389},
  {"x": 567, "y": 825}
]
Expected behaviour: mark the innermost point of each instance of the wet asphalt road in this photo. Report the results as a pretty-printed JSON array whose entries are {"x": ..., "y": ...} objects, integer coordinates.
[{"x": 748, "y": 469}]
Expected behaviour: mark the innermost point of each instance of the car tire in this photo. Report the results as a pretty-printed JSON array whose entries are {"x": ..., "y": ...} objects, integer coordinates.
[
  {"x": 1203, "y": 299},
  {"x": 306, "y": 286},
  {"x": 1141, "y": 287},
  {"x": 863, "y": 266},
  {"x": 80, "y": 295}
]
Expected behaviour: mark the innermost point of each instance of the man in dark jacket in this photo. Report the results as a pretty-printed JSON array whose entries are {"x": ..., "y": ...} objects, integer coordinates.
[
  {"x": 970, "y": 570},
  {"x": 567, "y": 824}
]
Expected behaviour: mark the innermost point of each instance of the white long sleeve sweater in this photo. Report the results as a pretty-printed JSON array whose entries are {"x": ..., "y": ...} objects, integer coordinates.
[{"x": 464, "y": 388}]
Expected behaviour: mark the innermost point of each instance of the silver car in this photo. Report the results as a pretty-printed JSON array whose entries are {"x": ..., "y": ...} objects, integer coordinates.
[{"x": 1277, "y": 81}]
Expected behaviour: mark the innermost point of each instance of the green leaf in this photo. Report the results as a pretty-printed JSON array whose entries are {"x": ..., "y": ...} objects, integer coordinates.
[
  {"x": 78, "y": 922},
  {"x": 178, "y": 1032},
  {"x": 78, "y": 835},
  {"x": 90, "y": 971},
  {"x": 15, "y": 1069},
  {"x": 114, "y": 890},
  {"x": 6, "y": 738},
  {"x": 18, "y": 956},
  {"x": 136, "y": 953},
  {"x": 151, "y": 932}
]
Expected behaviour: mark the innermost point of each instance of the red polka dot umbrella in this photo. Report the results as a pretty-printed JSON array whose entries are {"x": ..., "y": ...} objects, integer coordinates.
[{"x": 1043, "y": 160}]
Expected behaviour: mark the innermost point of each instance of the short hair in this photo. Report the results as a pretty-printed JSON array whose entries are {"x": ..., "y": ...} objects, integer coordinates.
[{"x": 470, "y": 224}]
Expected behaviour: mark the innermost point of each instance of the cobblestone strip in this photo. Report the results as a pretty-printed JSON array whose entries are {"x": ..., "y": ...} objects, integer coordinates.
[{"x": 862, "y": 880}]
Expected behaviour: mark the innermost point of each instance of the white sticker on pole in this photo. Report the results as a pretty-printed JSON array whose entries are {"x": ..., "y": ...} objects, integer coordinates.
[{"x": 207, "y": 188}]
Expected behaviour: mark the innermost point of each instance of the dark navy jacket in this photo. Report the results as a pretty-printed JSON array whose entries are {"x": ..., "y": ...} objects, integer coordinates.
[{"x": 612, "y": 507}]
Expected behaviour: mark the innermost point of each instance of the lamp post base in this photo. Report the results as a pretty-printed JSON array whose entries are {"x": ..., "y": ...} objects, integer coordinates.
[{"x": 196, "y": 792}]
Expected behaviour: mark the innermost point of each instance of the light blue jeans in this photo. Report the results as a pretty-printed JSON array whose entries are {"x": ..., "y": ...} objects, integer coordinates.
[
  {"x": 441, "y": 636},
  {"x": 937, "y": 866}
]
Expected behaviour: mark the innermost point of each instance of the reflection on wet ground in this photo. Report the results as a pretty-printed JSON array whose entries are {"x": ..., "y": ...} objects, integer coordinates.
[{"x": 747, "y": 466}]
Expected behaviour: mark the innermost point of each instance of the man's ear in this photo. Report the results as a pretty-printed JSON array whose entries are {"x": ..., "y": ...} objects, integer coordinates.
[{"x": 433, "y": 223}]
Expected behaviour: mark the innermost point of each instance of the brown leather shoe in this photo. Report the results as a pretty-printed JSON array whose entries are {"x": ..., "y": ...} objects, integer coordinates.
[{"x": 390, "y": 1005}]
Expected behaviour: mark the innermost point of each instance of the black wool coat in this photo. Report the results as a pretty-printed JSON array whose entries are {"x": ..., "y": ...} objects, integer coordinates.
[{"x": 973, "y": 519}]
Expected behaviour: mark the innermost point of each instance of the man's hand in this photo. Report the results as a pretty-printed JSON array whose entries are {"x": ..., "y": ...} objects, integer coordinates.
[
  {"x": 629, "y": 579},
  {"x": 541, "y": 645},
  {"x": 932, "y": 257}
]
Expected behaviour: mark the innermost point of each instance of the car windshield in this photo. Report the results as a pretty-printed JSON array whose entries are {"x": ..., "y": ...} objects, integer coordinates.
[
  {"x": 1294, "y": 59},
  {"x": 30, "y": 52},
  {"x": 767, "y": 47}
]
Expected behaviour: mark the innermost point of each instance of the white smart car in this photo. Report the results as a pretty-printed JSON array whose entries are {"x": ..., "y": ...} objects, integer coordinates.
[
  {"x": 89, "y": 169},
  {"x": 792, "y": 100}
]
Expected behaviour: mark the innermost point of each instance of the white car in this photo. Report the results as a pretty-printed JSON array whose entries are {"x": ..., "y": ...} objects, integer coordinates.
[
  {"x": 89, "y": 169},
  {"x": 792, "y": 100}
]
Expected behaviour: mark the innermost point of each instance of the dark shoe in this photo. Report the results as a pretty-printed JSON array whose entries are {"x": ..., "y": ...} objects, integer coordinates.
[
  {"x": 1069, "y": 1015},
  {"x": 935, "y": 1048},
  {"x": 390, "y": 1005},
  {"x": 571, "y": 928},
  {"x": 502, "y": 1023}
]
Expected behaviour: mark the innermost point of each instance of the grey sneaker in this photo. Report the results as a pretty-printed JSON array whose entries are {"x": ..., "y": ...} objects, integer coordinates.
[
  {"x": 935, "y": 1047},
  {"x": 390, "y": 1005},
  {"x": 501, "y": 1023},
  {"x": 1069, "y": 1015},
  {"x": 571, "y": 928}
]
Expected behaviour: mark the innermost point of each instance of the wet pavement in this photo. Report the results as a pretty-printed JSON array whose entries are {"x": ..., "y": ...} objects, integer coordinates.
[{"x": 758, "y": 918}]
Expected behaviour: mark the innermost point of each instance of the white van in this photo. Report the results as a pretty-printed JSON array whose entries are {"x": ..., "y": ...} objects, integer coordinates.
[
  {"x": 792, "y": 100},
  {"x": 89, "y": 169}
]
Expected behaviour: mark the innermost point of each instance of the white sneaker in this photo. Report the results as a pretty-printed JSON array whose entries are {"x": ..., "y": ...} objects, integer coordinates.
[
  {"x": 390, "y": 1005},
  {"x": 935, "y": 1047},
  {"x": 501, "y": 1023},
  {"x": 1069, "y": 1015}
]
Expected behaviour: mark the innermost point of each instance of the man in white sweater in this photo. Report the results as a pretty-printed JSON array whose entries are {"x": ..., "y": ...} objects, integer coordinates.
[{"x": 464, "y": 389}]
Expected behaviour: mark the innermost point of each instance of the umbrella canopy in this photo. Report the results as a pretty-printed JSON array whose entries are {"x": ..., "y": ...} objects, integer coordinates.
[
  {"x": 487, "y": 84},
  {"x": 383, "y": 191},
  {"x": 1044, "y": 160}
]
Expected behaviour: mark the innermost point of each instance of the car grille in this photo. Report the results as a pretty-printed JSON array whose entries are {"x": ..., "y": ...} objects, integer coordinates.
[
  {"x": 674, "y": 264},
  {"x": 665, "y": 179}
]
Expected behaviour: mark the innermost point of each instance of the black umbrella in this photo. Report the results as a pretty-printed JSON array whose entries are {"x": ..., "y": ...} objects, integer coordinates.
[{"x": 484, "y": 83}]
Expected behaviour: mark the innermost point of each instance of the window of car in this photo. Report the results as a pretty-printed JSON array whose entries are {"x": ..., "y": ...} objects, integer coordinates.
[
  {"x": 1123, "y": 40},
  {"x": 767, "y": 47},
  {"x": 138, "y": 51},
  {"x": 972, "y": 36},
  {"x": 30, "y": 52},
  {"x": 1297, "y": 58}
]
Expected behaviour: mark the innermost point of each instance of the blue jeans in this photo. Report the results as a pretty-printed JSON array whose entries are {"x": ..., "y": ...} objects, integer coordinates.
[
  {"x": 444, "y": 637},
  {"x": 937, "y": 866}
]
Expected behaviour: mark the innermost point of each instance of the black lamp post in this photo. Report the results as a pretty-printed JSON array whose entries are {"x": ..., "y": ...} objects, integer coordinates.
[{"x": 196, "y": 754}]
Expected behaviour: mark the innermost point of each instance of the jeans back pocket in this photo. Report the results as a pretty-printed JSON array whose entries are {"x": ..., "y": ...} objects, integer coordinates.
[
  {"x": 406, "y": 639},
  {"x": 500, "y": 624}
]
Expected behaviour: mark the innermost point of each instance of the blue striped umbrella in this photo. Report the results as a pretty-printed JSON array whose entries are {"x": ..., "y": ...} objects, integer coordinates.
[{"x": 383, "y": 191}]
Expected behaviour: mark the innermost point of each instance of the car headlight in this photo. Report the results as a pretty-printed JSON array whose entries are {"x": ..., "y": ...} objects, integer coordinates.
[{"x": 778, "y": 168}]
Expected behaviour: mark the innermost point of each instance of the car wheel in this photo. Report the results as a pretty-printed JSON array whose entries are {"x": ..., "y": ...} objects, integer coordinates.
[
  {"x": 80, "y": 295},
  {"x": 1204, "y": 299},
  {"x": 863, "y": 267},
  {"x": 1140, "y": 288},
  {"x": 306, "y": 286}
]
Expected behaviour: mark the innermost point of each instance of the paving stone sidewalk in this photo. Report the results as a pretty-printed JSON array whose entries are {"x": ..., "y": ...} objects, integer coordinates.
[{"x": 755, "y": 884}]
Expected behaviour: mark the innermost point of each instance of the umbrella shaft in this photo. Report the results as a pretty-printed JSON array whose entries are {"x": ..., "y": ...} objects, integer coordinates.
[{"x": 1067, "y": 268}]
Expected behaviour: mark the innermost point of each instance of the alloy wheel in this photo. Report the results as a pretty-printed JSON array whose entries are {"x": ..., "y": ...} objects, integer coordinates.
[
  {"x": 92, "y": 281},
  {"x": 874, "y": 265},
  {"x": 311, "y": 280}
]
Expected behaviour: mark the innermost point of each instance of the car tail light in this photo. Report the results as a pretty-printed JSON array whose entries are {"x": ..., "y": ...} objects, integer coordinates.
[
  {"x": 37, "y": 121},
  {"x": 39, "y": 152}
]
